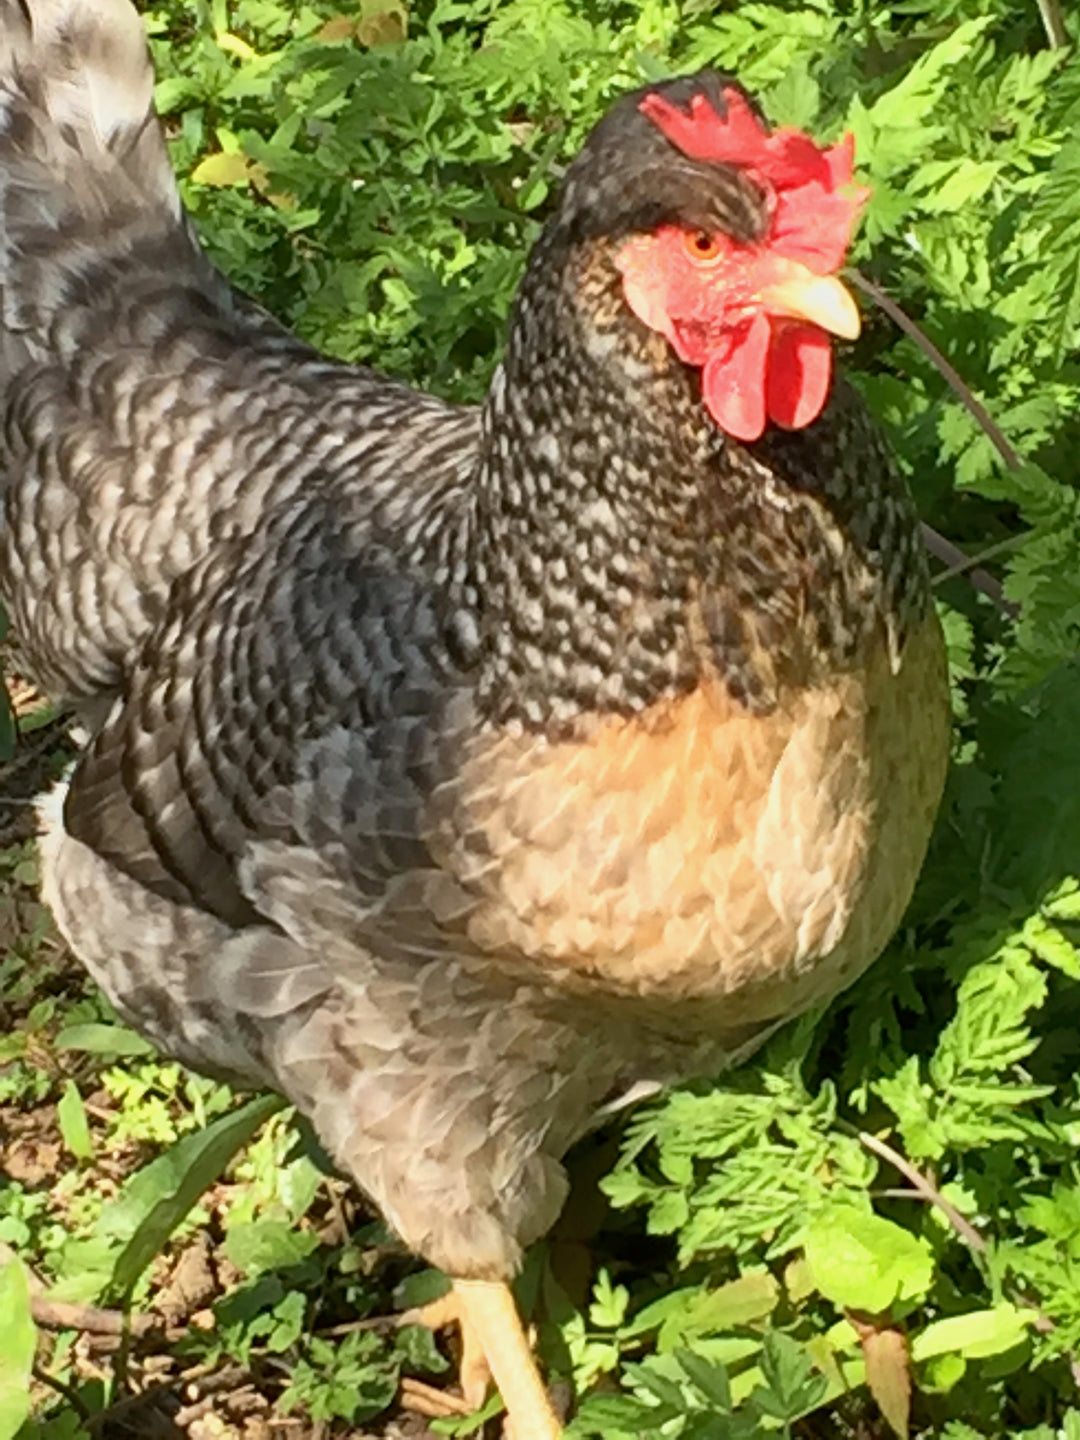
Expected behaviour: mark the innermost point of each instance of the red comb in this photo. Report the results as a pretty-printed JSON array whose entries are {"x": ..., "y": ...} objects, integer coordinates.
[{"x": 813, "y": 221}]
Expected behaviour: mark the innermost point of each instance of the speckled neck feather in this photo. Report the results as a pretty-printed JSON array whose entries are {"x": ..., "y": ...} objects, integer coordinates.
[{"x": 623, "y": 546}]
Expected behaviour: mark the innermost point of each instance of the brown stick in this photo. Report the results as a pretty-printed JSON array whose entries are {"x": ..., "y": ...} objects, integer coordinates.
[
  {"x": 948, "y": 372},
  {"x": 926, "y": 1190},
  {"x": 60, "y": 1315},
  {"x": 959, "y": 564}
]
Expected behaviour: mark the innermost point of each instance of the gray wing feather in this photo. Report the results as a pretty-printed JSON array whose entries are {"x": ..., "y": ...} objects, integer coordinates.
[{"x": 149, "y": 412}]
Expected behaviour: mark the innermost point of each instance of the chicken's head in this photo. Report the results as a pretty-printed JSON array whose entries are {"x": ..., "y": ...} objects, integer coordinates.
[{"x": 730, "y": 245}]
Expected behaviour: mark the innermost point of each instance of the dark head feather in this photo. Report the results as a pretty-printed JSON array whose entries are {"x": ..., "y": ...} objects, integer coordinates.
[{"x": 629, "y": 177}]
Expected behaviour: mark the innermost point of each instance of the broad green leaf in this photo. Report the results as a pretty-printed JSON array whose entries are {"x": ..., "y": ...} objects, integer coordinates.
[
  {"x": 862, "y": 1262},
  {"x": 201, "y": 1159},
  {"x": 745, "y": 1301},
  {"x": 234, "y": 45},
  {"x": 101, "y": 1039},
  {"x": 18, "y": 1339},
  {"x": 975, "y": 1335}
]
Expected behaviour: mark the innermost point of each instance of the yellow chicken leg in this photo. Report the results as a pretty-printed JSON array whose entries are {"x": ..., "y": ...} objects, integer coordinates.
[
  {"x": 494, "y": 1346},
  {"x": 474, "y": 1372}
]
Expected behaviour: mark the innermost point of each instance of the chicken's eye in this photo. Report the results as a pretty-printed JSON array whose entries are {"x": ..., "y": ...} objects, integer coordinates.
[{"x": 702, "y": 245}]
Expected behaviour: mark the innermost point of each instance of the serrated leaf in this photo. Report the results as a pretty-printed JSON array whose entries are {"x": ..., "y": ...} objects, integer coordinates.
[
  {"x": 745, "y": 1301},
  {"x": 711, "y": 1380},
  {"x": 650, "y": 1379},
  {"x": 668, "y": 1213},
  {"x": 965, "y": 182},
  {"x": 909, "y": 102},
  {"x": 793, "y": 1386},
  {"x": 1048, "y": 944},
  {"x": 609, "y": 1302},
  {"x": 605, "y": 1415}
]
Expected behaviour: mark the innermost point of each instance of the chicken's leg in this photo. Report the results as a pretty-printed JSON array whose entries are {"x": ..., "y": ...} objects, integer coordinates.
[
  {"x": 494, "y": 1346},
  {"x": 488, "y": 1306}
]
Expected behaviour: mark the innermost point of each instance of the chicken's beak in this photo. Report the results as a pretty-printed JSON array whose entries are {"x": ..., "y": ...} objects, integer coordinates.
[{"x": 820, "y": 299}]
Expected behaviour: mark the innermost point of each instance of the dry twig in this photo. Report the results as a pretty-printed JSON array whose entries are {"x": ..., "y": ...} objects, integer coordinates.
[{"x": 60, "y": 1315}]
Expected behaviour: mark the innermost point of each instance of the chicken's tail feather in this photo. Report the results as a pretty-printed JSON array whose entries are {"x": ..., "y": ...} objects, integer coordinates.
[{"x": 85, "y": 180}]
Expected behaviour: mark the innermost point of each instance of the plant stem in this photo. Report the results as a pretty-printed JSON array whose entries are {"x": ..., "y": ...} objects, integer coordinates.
[
  {"x": 926, "y": 1190},
  {"x": 1053, "y": 23},
  {"x": 948, "y": 372}
]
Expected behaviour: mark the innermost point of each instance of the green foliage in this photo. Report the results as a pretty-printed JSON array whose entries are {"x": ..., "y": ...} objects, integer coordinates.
[
  {"x": 353, "y": 1379},
  {"x": 17, "y": 1338},
  {"x": 891, "y": 1192},
  {"x": 181, "y": 1176}
]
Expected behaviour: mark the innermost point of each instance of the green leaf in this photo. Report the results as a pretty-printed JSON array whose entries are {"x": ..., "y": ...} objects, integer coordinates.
[
  {"x": 223, "y": 169},
  {"x": 613, "y": 1415},
  {"x": 792, "y": 1384},
  {"x": 198, "y": 1160},
  {"x": 745, "y": 1301},
  {"x": 473, "y": 1424},
  {"x": 649, "y": 1378},
  {"x": 268, "y": 1244},
  {"x": 711, "y": 1380},
  {"x": 101, "y": 1039},
  {"x": 609, "y": 1302},
  {"x": 18, "y": 1340},
  {"x": 74, "y": 1127},
  {"x": 862, "y": 1262},
  {"x": 954, "y": 184},
  {"x": 975, "y": 1335},
  {"x": 911, "y": 100}
]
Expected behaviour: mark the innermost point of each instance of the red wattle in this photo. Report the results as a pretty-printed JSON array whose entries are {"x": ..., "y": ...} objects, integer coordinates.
[
  {"x": 798, "y": 373},
  {"x": 733, "y": 383}
]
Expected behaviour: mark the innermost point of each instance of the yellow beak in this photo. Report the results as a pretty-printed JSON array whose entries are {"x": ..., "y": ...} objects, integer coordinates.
[{"x": 820, "y": 299}]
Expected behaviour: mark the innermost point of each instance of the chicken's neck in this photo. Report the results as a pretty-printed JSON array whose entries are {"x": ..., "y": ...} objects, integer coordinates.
[{"x": 622, "y": 547}]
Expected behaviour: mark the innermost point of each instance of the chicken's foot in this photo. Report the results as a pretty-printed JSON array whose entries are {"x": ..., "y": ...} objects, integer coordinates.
[{"x": 494, "y": 1346}]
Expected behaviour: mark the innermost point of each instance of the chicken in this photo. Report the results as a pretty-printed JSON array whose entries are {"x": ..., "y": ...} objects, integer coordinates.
[{"x": 453, "y": 771}]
